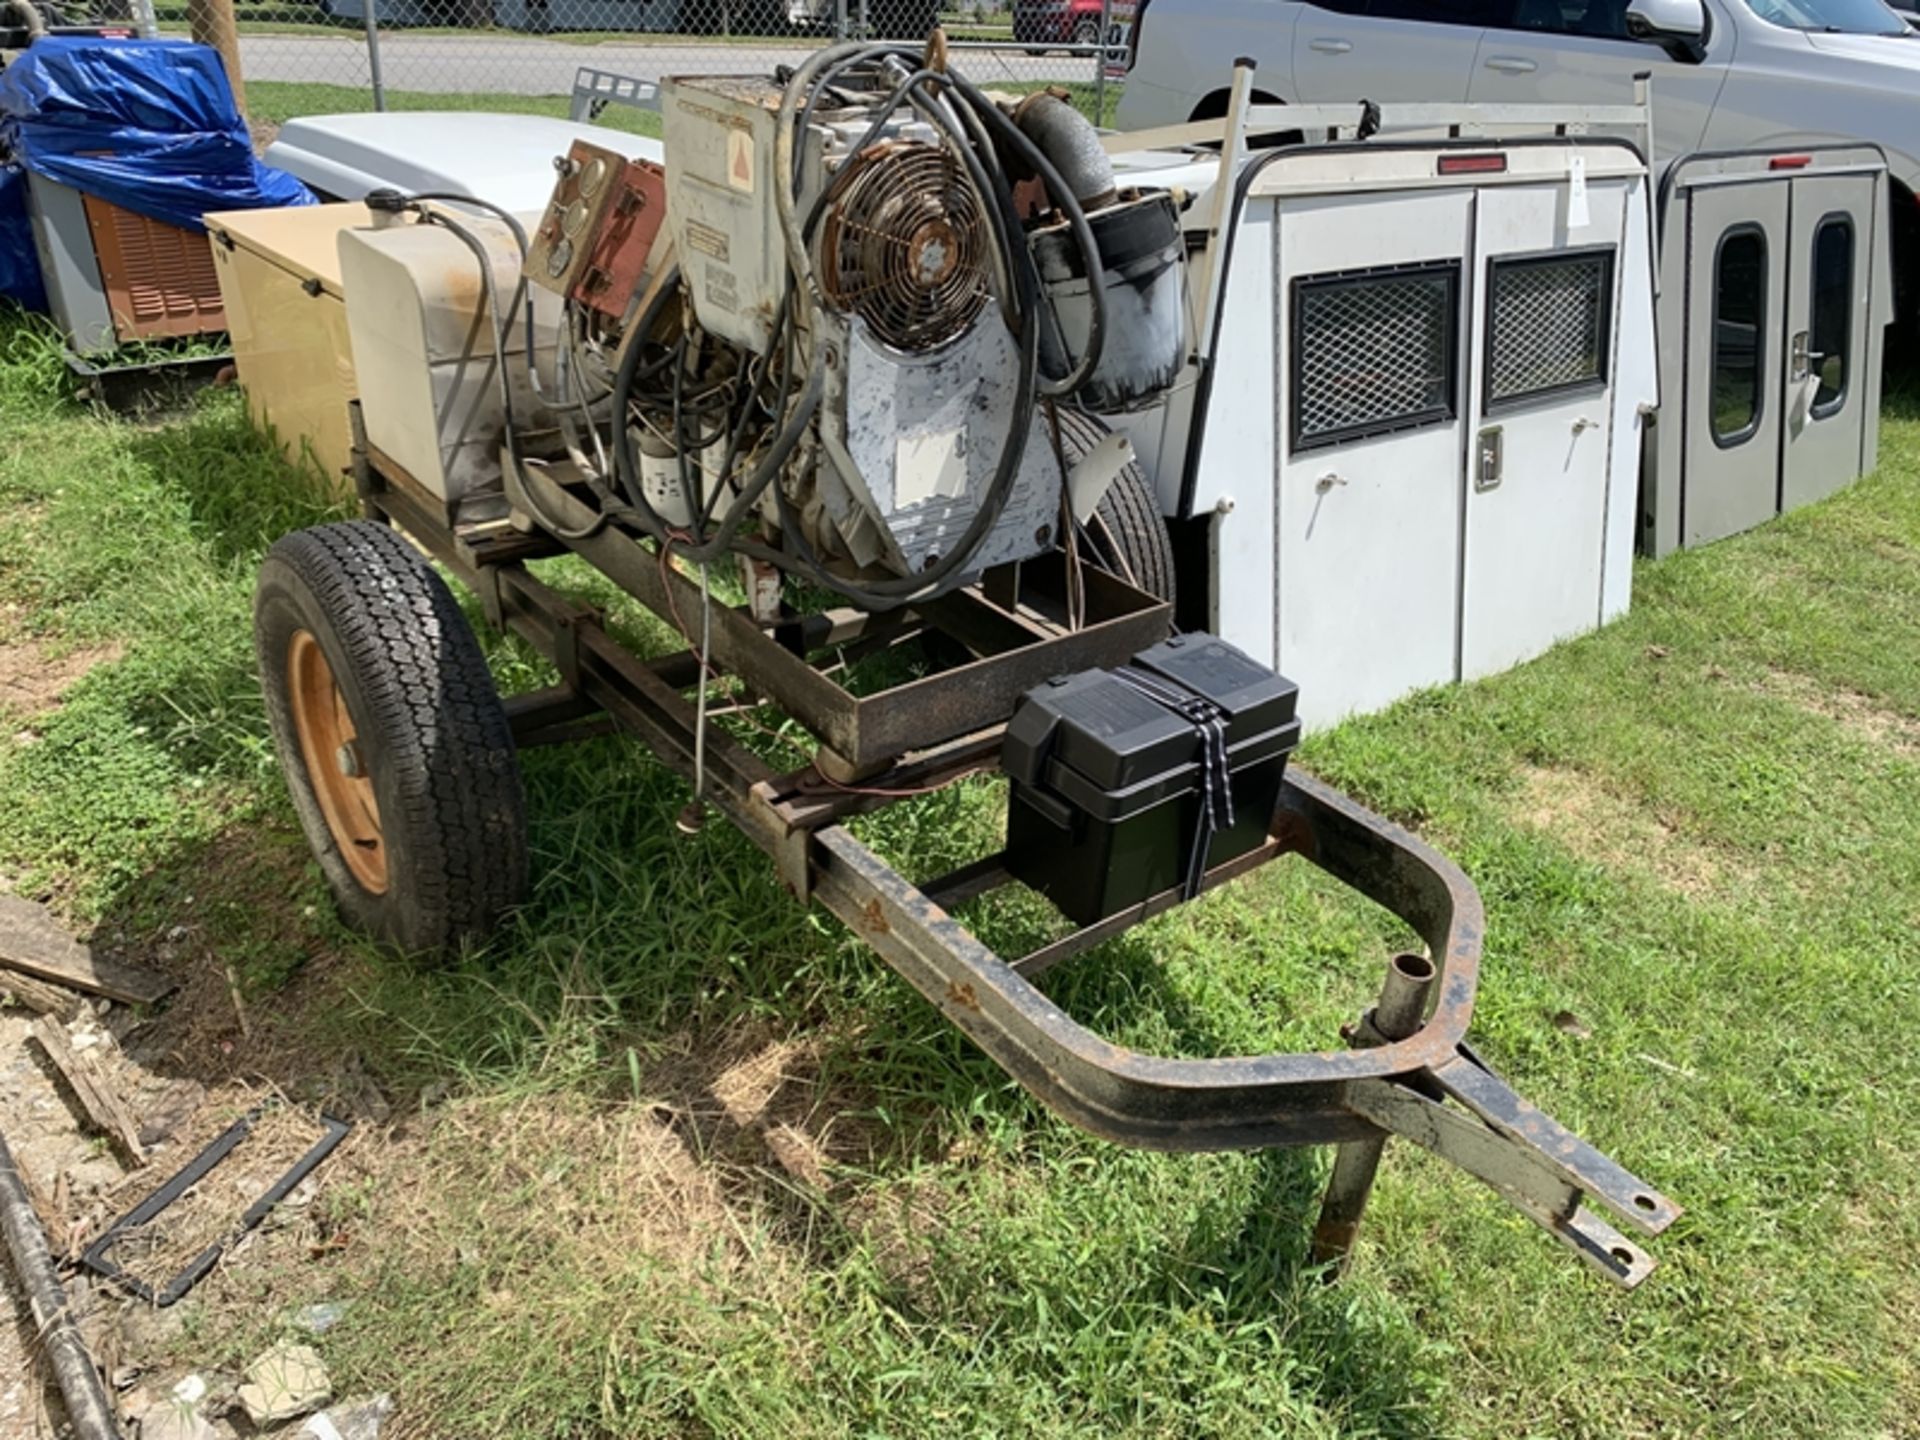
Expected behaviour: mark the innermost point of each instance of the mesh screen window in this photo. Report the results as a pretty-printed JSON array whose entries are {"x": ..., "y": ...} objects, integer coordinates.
[
  {"x": 1547, "y": 325},
  {"x": 1373, "y": 352}
]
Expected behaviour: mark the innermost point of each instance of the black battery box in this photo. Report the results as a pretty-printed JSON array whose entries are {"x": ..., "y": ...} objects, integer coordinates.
[{"x": 1127, "y": 783}]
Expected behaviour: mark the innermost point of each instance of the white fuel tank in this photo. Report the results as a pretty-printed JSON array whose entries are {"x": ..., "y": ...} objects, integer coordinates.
[{"x": 423, "y": 351}]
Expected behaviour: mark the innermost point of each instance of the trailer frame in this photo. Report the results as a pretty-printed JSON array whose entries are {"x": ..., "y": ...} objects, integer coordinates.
[{"x": 1408, "y": 1069}]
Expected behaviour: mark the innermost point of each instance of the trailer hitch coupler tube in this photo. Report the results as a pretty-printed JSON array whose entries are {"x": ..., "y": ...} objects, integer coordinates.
[
  {"x": 1403, "y": 996},
  {"x": 1401, "y": 1012}
]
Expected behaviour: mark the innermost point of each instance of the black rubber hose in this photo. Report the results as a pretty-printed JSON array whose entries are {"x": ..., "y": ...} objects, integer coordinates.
[
  {"x": 1063, "y": 197},
  {"x": 508, "y": 422},
  {"x": 889, "y": 594}
]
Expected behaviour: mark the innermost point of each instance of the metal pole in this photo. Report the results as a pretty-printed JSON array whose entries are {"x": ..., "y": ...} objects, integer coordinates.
[
  {"x": 1401, "y": 1011},
  {"x": 211, "y": 22},
  {"x": 839, "y": 19},
  {"x": 144, "y": 20},
  {"x": 88, "y": 1409},
  {"x": 1100, "y": 64},
  {"x": 1233, "y": 145},
  {"x": 373, "y": 56}
]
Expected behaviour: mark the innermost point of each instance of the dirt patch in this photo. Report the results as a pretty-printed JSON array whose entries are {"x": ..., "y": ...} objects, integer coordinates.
[
  {"x": 753, "y": 1095},
  {"x": 63, "y": 1168},
  {"x": 209, "y": 1212},
  {"x": 33, "y": 678},
  {"x": 565, "y": 1179},
  {"x": 1610, "y": 829},
  {"x": 242, "y": 927},
  {"x": 1859, "y": 715},
  {"x": 79, "y": 1187}
]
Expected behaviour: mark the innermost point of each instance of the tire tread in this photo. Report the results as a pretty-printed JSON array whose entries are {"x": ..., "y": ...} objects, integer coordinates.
[{"x": 438, "y": 723}]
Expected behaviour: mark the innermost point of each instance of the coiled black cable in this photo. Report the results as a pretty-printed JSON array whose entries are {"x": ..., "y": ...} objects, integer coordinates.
[{"x": 978, "y": 134}]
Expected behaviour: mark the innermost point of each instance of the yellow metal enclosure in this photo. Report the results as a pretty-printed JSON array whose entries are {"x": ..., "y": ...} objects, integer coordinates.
[{"x": 280, "y": 282}]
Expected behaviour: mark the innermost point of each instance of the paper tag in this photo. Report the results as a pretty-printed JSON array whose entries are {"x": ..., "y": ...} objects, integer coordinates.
[
  {"x": 929, "y": 464},
  {"x": 1578, "y": 215}
]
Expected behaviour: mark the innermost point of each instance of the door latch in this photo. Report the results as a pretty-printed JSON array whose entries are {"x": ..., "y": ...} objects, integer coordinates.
[
  {"x": 1488, "y": 451},
  {"x": 1801, "y": 360}
]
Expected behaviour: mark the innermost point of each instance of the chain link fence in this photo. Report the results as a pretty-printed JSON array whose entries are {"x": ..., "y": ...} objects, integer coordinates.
[{"x": 312, "y": 56}]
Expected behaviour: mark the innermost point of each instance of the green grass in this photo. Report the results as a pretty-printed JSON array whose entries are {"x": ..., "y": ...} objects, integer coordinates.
[{"x": 1697, "y": 832}]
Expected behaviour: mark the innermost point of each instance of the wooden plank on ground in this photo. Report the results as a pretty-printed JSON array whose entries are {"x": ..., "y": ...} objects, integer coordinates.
[
  {"x": 94, "y": 1089},
  {"x": 33, "y": 943},
  {"x": 38, "y": 996}
]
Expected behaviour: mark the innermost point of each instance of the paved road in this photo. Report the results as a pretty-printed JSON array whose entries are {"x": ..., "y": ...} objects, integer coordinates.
[{"x": 524, "y": 65}]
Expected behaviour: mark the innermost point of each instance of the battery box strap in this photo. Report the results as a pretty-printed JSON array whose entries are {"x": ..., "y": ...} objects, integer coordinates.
[{"x": 1216, "y": 794}]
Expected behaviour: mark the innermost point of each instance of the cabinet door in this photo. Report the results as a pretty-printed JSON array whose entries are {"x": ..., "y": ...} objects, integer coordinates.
[
  {"x": 1537, "y": 466},
  {"x": 1736, "y": 290},
  {"x": 1829, "y": 281},
  {"x": 1371, "y": 393}
]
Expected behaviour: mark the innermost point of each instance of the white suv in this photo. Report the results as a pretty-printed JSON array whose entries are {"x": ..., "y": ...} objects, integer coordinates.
[{"x": 1727, "y": 74}]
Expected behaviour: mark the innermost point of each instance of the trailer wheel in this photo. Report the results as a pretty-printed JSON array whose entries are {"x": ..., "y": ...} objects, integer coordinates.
[
  {"x": 396, "y": 748},
  {"x": 1126, "y": 528}
]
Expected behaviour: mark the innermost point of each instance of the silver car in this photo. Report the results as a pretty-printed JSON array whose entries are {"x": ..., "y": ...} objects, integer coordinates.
[{"x": 1727, "y": 74}]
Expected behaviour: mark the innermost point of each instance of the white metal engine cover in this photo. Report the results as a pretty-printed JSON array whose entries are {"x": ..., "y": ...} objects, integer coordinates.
[{"x": 917, "y": 439}]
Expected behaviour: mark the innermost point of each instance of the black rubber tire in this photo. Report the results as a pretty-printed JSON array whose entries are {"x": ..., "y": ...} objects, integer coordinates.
[
  {"x": 1127, "y": 520},
  {"x": 433, "y": 736}
]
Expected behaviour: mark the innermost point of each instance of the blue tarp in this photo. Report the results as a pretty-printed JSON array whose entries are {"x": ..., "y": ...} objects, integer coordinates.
[
  {"x": 148, "y": 124},
  {"x": 19, "y": 266}
]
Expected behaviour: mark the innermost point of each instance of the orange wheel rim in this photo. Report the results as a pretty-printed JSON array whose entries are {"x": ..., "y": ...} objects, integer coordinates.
[{"x": 336, "y": 762}]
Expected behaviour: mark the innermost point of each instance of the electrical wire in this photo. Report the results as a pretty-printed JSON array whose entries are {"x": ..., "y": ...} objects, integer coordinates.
[
  {"x": 782, "y": 385},
  {"x": 498, "y": 330}
]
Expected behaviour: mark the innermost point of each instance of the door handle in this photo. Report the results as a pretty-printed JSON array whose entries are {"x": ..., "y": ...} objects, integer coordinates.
[
  {"x": 1511, "y": 64},
  {"x": 1329, "y": 45},
  {"x": 1490, "y": 460}
]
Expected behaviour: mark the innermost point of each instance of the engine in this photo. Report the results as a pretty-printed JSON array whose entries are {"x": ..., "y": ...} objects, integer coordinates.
[
  {"x": 853, "y": 329},
  {"x": 921, "y": 268}
]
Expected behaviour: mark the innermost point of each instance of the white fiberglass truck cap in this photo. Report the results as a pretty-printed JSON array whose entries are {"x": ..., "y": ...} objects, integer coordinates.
[
  {"x": 1408, "y": 441},
  {"x": 504, "y": 159}
]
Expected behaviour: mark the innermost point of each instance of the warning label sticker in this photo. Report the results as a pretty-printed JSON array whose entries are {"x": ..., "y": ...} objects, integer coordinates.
[{"x": 740, "y": 160}]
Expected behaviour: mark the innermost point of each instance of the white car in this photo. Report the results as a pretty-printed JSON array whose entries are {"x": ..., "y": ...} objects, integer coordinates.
[{"x": 1727, "y": 74}]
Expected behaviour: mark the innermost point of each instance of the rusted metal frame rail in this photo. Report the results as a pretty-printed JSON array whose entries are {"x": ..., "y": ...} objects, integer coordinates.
[
  {"x": 1428, "y": 1087},
  {"x": 1016, "y": 651}
]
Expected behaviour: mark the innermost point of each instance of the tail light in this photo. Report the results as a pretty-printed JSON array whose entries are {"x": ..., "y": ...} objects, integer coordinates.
[{"x": 1493, "y": 164}]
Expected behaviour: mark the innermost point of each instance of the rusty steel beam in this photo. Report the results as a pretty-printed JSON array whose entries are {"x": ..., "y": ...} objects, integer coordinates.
[{"x": 1418, "y": 1079}]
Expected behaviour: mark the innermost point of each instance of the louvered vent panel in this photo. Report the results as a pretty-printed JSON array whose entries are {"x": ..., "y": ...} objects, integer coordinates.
[{"x": 160, "y": 280}]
